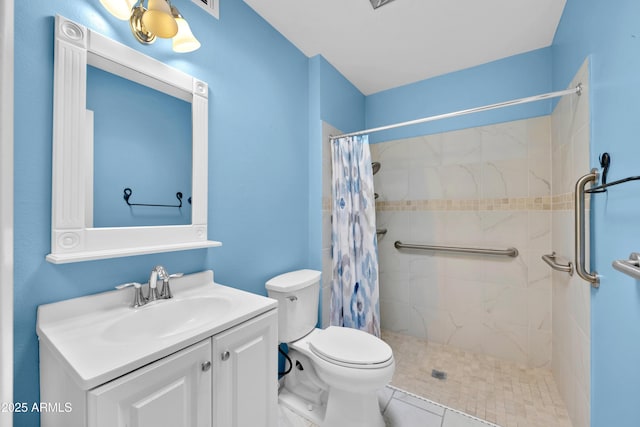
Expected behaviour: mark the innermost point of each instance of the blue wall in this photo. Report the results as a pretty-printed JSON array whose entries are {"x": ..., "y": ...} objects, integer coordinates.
[
  {"x": 514, "y": 77},
  {"x": 609, "y": 32},
  {"x": 342, "y": 105},
  {"x": 258, "y": 178}
]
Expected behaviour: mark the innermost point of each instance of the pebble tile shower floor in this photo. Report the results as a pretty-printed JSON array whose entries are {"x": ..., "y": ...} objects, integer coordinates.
[{"x": 494, "y": 390}]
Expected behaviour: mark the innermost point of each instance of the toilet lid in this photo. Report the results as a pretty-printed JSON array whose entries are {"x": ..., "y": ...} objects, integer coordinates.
[{"x": 350, "y": 346}]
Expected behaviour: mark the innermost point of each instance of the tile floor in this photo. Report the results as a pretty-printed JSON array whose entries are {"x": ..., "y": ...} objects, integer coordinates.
[
  {"x": 500, "y": 392},
  {"x": 402, "y": 409}
]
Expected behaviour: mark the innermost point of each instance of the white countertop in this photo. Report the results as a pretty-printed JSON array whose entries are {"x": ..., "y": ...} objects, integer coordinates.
[{"x": 73, "y": 329}]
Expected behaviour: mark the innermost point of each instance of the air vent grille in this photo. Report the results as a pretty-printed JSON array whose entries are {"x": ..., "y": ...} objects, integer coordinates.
[
  {"x": 210, "y": 6},
  {"x": 377, "y": 3}
]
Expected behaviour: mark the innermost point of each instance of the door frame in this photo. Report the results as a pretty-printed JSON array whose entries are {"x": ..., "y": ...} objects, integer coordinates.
[{"x": 6, "y": 205}]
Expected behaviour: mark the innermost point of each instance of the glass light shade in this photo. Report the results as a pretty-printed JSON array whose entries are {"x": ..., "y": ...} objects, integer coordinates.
[
  {"x": 121, "y": 9},
  {"x": 184, "y": 41},
  {"x": 158, "y": 19}
]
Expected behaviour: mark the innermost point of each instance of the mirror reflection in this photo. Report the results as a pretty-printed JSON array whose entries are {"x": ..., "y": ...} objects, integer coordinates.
[{"x": 142, "y": 141}]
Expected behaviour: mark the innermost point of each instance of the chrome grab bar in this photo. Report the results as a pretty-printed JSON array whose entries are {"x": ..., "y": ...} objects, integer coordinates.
[
  {"x": 511, "y": 252},
  {"x": 593, "y": 277},
  {"x": 551, "y": 260},
  {"x": 630, "y": 266}
]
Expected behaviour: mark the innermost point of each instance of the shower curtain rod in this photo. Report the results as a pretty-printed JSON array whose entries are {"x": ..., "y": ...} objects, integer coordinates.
[{"x": 550, "y": 95}]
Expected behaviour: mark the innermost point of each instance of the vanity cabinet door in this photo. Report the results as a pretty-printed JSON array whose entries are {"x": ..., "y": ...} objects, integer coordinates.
[
  {"x": 246, "y": 373},
  {"x": 174, "y": 391}
]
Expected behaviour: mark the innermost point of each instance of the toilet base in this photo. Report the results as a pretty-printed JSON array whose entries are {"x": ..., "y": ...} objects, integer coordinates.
[
  {"x": 307, "y": 410},
  {"x": 345, "y": 409},
  {"x": 302, "y": 391},
  {"x": 308, "y": 396}
]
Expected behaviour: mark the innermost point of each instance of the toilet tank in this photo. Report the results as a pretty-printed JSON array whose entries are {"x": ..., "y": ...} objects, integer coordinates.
[{"x": 297, "y": 295}]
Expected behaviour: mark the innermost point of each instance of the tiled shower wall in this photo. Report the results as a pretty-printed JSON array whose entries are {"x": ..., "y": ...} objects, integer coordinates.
[
  {"x": 571, "y": 364},
  {"x": 482, "y": 187}
]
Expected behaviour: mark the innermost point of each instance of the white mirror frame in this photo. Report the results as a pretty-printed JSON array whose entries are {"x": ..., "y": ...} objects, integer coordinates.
[{"x": 73, "y": 237}]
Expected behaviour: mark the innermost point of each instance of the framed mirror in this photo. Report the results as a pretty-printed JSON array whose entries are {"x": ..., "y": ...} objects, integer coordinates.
[
  {"x": 142, "y": 149},
  {"x": 80, "y": 228}
]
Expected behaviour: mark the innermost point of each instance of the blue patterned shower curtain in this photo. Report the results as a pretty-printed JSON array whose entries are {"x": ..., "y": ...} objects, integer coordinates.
[{"x": 354, "y": 286}]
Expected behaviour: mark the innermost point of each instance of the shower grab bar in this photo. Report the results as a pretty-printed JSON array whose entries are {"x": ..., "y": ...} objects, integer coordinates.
[
  {"x": 592, "y": 277},
  {"x": 551, "y": 260},
  {"x": 630, "y": 266},
  {"x": 511, "y": 252}
]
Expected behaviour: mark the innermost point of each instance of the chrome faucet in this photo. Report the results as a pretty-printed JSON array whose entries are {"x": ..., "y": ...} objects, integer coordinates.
[{"x": 158, "y": 272}]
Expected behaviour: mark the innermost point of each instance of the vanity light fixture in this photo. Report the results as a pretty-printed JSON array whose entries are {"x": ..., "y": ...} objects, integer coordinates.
[
  {"x": 121, "y": 9},
  {"x": 184, "y": 41},
  {"x": 159, "y": 19}
]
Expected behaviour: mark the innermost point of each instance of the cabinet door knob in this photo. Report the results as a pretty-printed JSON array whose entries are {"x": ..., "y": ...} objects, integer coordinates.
[
  {"x": 206, "y": 366},
  {"x": 225, "y": 356}
]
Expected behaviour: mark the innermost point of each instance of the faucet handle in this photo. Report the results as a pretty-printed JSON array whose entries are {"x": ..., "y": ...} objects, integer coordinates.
[
  {"x": 127, "y": 285},
  {"x": 165, "y": 292},
  {"x": 138, "y": 299}
]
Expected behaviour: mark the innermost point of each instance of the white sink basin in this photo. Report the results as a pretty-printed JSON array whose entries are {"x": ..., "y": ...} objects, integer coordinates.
[{"x": 167, "y": 317}]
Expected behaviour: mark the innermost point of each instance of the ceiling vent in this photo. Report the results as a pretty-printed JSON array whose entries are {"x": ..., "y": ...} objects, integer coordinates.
[
  {"x": 377, "y": 3},
  {"x": 213, "y": 7}
]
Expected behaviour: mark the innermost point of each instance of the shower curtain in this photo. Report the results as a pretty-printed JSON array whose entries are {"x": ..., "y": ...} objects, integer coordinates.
[{"x": 354, "y": 286}]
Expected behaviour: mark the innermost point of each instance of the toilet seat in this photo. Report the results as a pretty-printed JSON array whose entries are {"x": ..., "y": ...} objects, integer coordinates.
[{"x": 351, "y": 348}]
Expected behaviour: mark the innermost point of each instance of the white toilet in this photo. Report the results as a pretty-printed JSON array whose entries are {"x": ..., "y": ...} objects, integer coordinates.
[{"x": 336, "y": 372}]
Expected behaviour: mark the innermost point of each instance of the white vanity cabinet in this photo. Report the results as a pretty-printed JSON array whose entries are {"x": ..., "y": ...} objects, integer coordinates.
[
  {"x": 245, "y": 384},
  {"x": 174, "y": 391},
  {"x": 205, "y": 358},
  {"x": 177, "y": 390}
]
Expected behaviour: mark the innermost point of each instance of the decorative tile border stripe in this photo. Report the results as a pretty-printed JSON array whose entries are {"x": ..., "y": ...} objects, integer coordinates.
[
  {"x": 559, "y": 202},
  {"x": 562, "y": 202},
  {"x": 565, "y": 202},
  {"x": 502, "y": 204}
]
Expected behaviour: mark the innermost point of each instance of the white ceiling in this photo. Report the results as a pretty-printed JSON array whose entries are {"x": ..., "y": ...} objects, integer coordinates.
[{"x": 410, "y": 40}]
